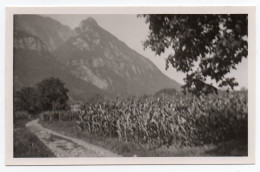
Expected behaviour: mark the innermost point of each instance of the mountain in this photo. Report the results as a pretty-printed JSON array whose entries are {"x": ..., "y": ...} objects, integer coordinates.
[
  {"x": 96, "y": 56},
  {"x": 33, "y": 62},
  {"x": 89, "y": 60},
  {"x": 50, "y": 31}
]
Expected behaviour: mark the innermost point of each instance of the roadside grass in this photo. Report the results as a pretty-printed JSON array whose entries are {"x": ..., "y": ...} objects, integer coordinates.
[
  {"x": 26, "y": 144},
  {"x": 129, "y": 149},
  {"x": 231, "y": 148}
]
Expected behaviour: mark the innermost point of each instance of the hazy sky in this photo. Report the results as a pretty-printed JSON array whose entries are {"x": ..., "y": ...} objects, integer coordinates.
[{"x": 133, "y": 31}]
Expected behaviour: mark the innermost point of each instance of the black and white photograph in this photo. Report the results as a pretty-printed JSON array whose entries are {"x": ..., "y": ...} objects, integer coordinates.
[{"x": 136, "y": 85}]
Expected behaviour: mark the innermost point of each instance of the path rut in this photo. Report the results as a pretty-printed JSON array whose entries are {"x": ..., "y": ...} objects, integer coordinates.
[{"x": 65, "y": 146}]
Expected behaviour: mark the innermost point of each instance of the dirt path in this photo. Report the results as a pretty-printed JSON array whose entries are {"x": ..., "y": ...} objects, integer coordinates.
[{"x": 64, "y": 146}]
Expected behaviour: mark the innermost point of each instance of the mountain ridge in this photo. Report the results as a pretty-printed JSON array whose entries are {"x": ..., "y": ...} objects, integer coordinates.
[
  {"x": 49, "y": 30},
  {"x": 94, "y": 44},
  {"x": 34, "y": 63},
  {"x": 89, "y": 54}
]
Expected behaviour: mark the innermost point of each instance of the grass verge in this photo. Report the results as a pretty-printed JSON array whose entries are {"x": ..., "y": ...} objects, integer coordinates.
[
  {"x": 128, "y": 149},
  {"x": 26, "y": 144}
]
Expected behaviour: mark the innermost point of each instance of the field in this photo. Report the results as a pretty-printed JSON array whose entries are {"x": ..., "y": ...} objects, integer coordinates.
[{"x": 180, "y": 125}]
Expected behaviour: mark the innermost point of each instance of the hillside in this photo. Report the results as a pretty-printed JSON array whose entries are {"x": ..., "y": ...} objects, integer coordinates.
[
  {"x": 50, "y": 31},
  {"x": 90, "y": 61},
  {"x": 96, "y": 56},
  {"x": 33, "y": 63}
]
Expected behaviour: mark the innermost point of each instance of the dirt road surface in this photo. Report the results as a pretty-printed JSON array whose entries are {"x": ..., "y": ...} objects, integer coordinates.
[{"x": 64, "y": 146}]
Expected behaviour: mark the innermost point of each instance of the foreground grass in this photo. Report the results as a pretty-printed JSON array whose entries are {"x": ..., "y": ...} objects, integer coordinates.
[
  {"x": 231, "y": 148},
  {"x": 26, "y": 144}
]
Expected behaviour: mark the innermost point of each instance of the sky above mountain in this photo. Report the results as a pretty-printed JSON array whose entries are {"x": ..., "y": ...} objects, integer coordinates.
[{"x": 133, "y": 31}]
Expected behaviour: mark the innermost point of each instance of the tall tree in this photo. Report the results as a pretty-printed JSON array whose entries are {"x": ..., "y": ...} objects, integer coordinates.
[
  {"x": 53, "y": 94},
  {"x": 206, "y": 46}
]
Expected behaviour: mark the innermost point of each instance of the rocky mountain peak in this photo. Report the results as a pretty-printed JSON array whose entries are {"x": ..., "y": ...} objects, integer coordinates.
[
  {"x": 97, "y": 56},
  {"x": 86, "y": 25},
  {"x": 90, "y": 20},
  {"x": 89, "y": 54}
]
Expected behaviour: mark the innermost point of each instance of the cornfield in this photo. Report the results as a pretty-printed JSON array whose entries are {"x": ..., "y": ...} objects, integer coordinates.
[{"x": 164, "y": 121}]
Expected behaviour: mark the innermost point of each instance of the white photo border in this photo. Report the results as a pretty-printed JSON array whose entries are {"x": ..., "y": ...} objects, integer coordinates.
[{"x": 250, "y": 10}]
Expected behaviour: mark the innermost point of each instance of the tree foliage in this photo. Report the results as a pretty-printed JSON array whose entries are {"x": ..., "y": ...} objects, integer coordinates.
[
  {"x": 49, "y": 94},
  {"x": 53, "y": 94},
  {"x": 205, "y": 46},
  {"x": 26, "y": 99}
]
